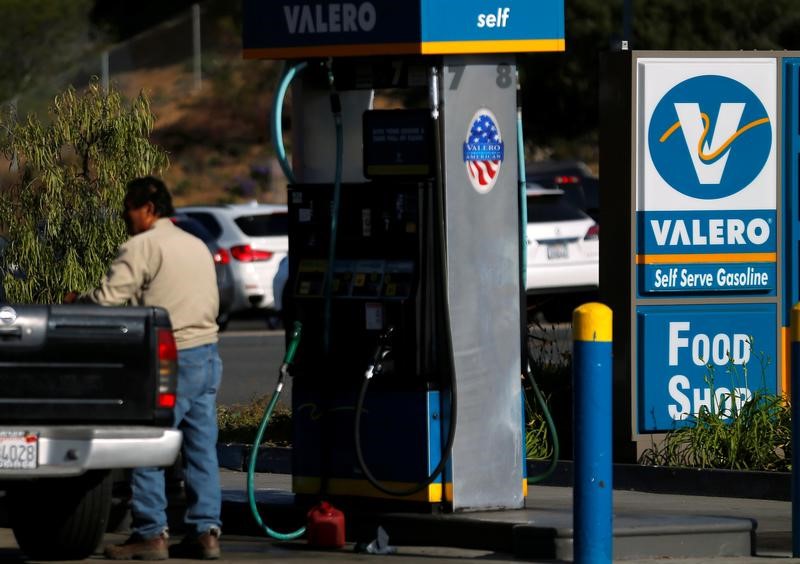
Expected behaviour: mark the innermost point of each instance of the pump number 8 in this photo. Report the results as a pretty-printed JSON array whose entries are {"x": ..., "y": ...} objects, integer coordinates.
[{"x": 504, "y": 76}]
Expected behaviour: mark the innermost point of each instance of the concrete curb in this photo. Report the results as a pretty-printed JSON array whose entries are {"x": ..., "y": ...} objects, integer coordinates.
[
  {"x": 271, "y": 460},
  {"x": 682, "y": 481},
  {"x": 654, "y": 479}
]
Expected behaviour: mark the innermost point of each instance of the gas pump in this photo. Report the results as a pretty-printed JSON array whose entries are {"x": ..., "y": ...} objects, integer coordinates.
[
  {"x": 404, "y": 248},
  {"x": 380, "y": 326}
]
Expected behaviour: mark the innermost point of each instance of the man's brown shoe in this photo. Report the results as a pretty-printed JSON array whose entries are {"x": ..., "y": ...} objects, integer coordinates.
[
  {"x": 139, "y": 548},
  {"x": 200, "y": 547}
]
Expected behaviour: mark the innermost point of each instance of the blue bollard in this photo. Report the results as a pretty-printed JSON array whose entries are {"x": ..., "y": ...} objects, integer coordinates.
[
  {"x": 794, "y": 361},
  {"x": 592, "y": 394}
]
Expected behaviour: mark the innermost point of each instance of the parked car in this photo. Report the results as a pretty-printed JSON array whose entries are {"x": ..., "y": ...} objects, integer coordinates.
[
  {"x": 279, "y": 284},
  {"x": 563, "y": 244},
  {"x": 222, "y": 263},
  {"x": 256, "y": 237},
  {"x": 580, "y": 185}
]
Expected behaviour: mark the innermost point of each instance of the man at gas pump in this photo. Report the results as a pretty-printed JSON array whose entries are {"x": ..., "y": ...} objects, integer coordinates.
[{"x": 161, "y": 265}]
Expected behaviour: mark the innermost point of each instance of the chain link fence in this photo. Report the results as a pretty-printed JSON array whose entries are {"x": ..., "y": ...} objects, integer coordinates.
[
  {"x": 192, "y": 40},
  {"x": 211, "y": 105}
]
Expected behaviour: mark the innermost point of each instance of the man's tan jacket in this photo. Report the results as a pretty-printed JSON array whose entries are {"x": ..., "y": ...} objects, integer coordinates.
[{"x": 166, "y": 267}]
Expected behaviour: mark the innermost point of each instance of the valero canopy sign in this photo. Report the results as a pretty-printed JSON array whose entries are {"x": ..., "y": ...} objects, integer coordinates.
[{"x": 285, "y": 29}]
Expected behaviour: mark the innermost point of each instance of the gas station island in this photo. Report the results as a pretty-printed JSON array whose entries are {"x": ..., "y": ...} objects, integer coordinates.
[
  {"x": 404, "y": 244},
  {"x": 407, "y": 236}
]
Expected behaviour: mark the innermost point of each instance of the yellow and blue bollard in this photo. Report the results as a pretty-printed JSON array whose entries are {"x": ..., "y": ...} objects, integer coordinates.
[{"x": 592, "y": 395}]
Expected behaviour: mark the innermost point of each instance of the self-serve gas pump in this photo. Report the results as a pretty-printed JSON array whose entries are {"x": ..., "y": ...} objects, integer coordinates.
[
  {"x": 382, "y": 317},
  {"x": 377, "y": 301},
  {"x": 405, "y": 250}
]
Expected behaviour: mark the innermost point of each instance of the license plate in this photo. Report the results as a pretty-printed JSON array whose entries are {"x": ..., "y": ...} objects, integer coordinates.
[
  {"x": 557, "y": 251},
  {"x": 18, "y": 450}
]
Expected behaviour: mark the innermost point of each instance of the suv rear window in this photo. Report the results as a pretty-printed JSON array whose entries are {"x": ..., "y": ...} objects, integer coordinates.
[
  {"x": 552, "y": 208},
  {"x": 209, "y": 222},
  {"x": 194, "y": 227},
  {"x": 264, "y": 225}
]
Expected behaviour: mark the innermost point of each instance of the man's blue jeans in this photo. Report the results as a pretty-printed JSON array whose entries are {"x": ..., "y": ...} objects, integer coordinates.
[{"x": 199, "y": 376}]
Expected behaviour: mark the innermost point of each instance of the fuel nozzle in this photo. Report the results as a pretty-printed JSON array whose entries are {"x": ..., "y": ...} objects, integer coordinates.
[
  {"x": 382, "y": 350},
  {"x": 291, "y": 349}
]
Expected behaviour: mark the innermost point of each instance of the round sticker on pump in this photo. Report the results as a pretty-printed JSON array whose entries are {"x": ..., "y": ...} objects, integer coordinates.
[{"x": 483, "y": 151}]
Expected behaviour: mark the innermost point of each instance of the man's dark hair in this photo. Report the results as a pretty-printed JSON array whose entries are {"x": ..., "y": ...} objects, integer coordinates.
[{"x": 140, "y": 191}]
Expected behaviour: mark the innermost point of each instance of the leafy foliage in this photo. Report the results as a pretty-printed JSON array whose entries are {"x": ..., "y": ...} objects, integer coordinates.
[
  {"x": 538, "y": 445},
  {"x": 731, "y": 434},
  {"x": 240, "y": 423},
  {"x": 61, "y": 213},
  {"x": 551, "y": 368},
  {"x": 758, "y": 437}
]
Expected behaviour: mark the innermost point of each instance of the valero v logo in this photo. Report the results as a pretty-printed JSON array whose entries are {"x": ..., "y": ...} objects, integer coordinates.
[{"x": 709, "y": 137}]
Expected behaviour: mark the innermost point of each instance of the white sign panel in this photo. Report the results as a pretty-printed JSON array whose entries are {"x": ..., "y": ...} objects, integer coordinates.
[
  {"x": 706, "y": 191},
  {"x": 708, "y": 136}
]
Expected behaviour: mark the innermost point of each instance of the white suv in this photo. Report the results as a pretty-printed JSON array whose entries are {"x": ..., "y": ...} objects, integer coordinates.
[
  {"x": 256, "y": 237},
  {"x": 563, "y": 244}
]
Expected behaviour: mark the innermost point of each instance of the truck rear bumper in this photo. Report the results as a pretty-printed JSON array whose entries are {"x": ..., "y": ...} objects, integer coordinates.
[{"x": 72, "y": 450}]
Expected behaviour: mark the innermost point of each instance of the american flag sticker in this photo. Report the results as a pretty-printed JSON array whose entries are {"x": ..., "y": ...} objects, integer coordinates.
[{"x": 483, "y": 151}]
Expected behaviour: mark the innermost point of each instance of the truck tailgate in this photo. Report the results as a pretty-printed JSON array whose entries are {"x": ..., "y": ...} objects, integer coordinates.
[{"x": 80, "y": 363}]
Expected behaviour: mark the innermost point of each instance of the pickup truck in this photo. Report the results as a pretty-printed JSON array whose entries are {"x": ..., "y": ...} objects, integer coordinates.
[{"x": 84, "y": 390}]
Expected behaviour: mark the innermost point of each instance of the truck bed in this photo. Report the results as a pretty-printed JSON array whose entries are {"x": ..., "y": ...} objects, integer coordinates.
[{"x": 85, "y": 387}]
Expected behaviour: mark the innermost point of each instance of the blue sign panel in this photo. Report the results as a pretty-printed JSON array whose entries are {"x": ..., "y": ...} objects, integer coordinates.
[
  {"x": 707, "y": 232},
  {"x": 707, "y": 277},
  {"x": 275, "y": 25},
  {"x": 791, "y": 179},
  {"x": 482, "y": 20},
  {"x": 704, "y": 356},
  {"x": 322, "y": 28},
  {"x": 707, "y": 251}
]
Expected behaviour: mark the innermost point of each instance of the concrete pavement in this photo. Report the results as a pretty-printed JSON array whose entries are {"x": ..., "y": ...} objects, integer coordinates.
[
  {"x": 663, "y": 521},
  {"x": 241, "y": 540}
]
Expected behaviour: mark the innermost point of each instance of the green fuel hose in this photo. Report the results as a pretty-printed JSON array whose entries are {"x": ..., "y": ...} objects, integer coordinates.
[
  {"x": 336, "y": 111},
  {"x": 288, "y": 358},
  {"x": 287, "y": 75}
]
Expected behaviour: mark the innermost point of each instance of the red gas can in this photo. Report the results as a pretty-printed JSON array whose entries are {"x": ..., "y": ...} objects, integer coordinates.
[{"x": 325, "y": 526}]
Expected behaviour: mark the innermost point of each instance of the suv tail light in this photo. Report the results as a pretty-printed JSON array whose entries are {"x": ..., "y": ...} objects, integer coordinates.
[
  {"x": 593, "y": 234},
  {"x": 222, "y": 256},
  {"x": 167, "y": 368},
  {"x": 566, "y": 179},
  {"x": 245, "y": 253}
]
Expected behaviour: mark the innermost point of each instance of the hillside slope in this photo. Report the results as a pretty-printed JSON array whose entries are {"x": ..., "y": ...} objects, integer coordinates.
[{"x": 217, "y": 137}]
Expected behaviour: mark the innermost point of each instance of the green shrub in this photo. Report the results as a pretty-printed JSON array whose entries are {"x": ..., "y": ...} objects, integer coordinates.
[
  {"x": 755, "y": 435},
  {"x": 60, "y": 210},
  {"x": 239, "y": 423},
  {"x": 551, "y": 366},
  {"x": 758, "y": 437},
  {"x": 538, "y": 445}
]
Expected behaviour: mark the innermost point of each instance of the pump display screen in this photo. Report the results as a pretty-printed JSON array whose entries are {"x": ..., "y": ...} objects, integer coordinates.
[{"x": 398, "y": 143}]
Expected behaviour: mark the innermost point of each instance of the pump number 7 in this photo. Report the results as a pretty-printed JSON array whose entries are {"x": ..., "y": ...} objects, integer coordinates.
[{"x": 504, "y": 78}]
